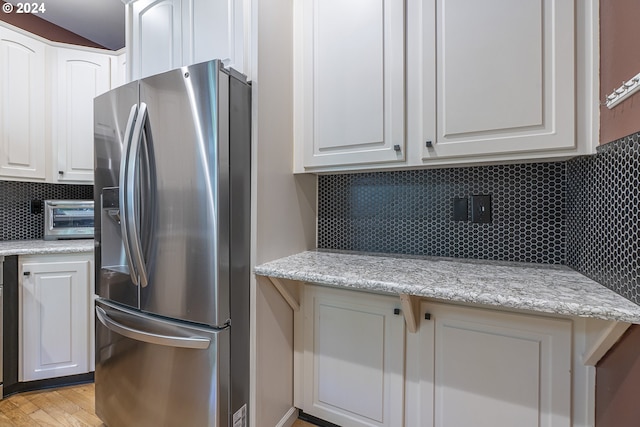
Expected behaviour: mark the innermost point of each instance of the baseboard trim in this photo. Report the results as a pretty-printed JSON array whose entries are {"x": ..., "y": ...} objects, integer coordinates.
[
  {"x": 289, "y": 418},
  {"x": 48, "y": 383}
]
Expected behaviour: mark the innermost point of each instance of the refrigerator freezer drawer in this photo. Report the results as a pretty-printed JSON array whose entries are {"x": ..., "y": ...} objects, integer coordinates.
[{"x": 152, "y": 372}]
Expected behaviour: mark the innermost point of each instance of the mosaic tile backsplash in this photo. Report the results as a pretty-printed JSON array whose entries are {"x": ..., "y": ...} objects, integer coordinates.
[
  {"x": 584, "y": 213},
  {"x": 603, "y": 216},
  {"x": 16, "y": 220},
  {"x": 410, "y": 212}
]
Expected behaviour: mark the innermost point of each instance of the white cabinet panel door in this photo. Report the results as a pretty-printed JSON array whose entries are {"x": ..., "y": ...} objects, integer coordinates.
[
  {"x": 81, "y": 77},
  {"x": 156, "y": 37},
  {"x": 505, "y": 77},
  {"x": 494, "y": 369},
  {"x": 54, "y": 318},
  {"x": 214, "y": 30},
  {"x": 166, "y": 34},
  {"x": 349, "y": 91},
  {"x": 354, "y": 358},
  {"x": 23, "y": 138},
  {"x": 119, "y": 70}
]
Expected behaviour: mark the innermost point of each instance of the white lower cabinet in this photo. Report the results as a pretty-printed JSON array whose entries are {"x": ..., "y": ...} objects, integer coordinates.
[
  {"x": 480, "y": 367},
  {"x": 463, "y": 367},
  {"x": 353, "y": 358},
  {"x": 56, "y": 332}
]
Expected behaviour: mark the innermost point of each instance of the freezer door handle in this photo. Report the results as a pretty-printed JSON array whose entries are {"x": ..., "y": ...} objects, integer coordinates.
[
  {"x": 198, "y": 343},
  {"x": 124, "y": 173}
]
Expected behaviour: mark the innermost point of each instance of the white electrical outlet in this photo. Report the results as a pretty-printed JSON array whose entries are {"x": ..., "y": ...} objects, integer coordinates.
[{"x": 240, "y": 417}]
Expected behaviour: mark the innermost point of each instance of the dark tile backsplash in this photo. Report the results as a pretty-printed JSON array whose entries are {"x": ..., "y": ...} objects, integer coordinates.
[
  {"x": 410, "y": 212},
  {"x": 16, "y": 220},
  {"x": 584, "y": 213},
  {"x": 603, "y": 216}
]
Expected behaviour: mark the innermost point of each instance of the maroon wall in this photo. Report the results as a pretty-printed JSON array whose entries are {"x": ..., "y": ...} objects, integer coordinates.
[
  {"x": 36, "y": 25},
  {"x": 618, "y": 383},
  {"x": 618, "y": 373},
  {"x": 619, "y": 61}
]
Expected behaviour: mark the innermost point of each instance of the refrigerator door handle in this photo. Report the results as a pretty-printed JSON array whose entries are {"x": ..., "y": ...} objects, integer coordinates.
[
  {"x": 198, "y": 343},
  {"x": 126, "y": 151},
  {"x": 131, "y": 217}
]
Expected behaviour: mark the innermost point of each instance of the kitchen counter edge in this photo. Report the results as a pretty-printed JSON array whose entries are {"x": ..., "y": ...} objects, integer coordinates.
[
  {"x": 44, "y": 247},
  {"x": 550, "y": 289}
]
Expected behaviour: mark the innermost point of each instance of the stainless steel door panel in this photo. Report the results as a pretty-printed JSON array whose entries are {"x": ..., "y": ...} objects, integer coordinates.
[
  {"x": 112, "y": 128},
  {"x": 187, "y": 254},
  {"x": 157, "y": 385}
]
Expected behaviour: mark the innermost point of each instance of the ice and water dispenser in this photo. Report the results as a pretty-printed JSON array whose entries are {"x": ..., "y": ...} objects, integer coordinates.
[{"x": 113, "y": 253}]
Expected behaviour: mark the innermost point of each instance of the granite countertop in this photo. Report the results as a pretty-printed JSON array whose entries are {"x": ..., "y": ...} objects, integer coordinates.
[
  {"x": 538, "y": 287},
  {"x": 41, "y": 247}
]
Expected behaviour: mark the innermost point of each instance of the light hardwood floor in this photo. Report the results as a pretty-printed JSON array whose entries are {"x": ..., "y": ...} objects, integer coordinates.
[
  {"x": 65, "y": 406},
  {"x": 71, "y": 406}
]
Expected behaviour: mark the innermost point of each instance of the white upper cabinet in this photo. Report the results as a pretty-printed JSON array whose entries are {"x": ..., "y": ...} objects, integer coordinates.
[
  {"x": 215, "y": 31},
  {"x": 119, "y": 70},
  {"x": 481, "y": 82},
  {"x": 166, "y": 34},
  {"x": 81, "y": 76},
  {"x": 505, "y": 77},
  {"x": 154, "y": 42},
  {"x": 23, "y": 137},
  {"x": 349, "y": 82},
  {"x": 46, "y": 107}
]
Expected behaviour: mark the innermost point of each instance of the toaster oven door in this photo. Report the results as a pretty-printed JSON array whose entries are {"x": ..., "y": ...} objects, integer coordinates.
[{"x": 68, "y": 219}]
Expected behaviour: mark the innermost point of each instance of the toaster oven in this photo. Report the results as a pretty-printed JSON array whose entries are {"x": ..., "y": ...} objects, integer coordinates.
[{"x": 68, "y": 219}]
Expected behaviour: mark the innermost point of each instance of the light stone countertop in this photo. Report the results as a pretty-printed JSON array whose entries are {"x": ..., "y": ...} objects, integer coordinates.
[
  {"x": 42, "y": 247},
  {"x": 538, "y": 287}
]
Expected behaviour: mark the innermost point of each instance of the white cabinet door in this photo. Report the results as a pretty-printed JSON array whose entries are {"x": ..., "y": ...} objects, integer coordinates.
[
  {"x": 55, "y": 323},
  {"x": 213, "y": 29},
  {"x": 494, "y": 369},
  {"x": 155, "y": 39},
  {"x": 504, "y": 78},
  {"x": 81, "y": 77},
  {"x": 353, "y": 358},
  {"x": 349, "y": 82},
  {"x": 23, "y": 137},
  {"x": 166, "y": 34},
  {"x": 119, "y": 70}
]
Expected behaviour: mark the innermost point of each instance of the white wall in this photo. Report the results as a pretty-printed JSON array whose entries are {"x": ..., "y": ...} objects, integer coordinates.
[{"x": 284, "y": 209}]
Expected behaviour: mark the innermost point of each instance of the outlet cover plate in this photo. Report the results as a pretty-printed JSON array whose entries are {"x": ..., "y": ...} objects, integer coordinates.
[
  {"x": 460, "y": 209},
  {"x": 481, "y": 208}
]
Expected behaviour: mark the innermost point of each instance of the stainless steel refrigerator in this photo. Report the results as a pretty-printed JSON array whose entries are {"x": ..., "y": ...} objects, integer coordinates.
[{"x": 172, "y": 226}]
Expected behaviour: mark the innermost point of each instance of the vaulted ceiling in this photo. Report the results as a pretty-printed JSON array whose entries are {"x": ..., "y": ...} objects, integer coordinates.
[{"x": 101, "y": 21}]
